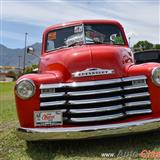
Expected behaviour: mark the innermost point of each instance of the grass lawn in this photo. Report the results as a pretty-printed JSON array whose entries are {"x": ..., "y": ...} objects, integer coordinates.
[{"x": 12, "y": 148}]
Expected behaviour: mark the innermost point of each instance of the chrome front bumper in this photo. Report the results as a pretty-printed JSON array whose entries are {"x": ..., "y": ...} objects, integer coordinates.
[{"x": 34, "y": 134}]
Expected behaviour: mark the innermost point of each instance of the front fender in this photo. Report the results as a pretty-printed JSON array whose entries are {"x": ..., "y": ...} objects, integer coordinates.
[
  {"x": 25, "y": 108},
  {"x": 146, "y": 69},
  {"x": 142, "y": 69}
]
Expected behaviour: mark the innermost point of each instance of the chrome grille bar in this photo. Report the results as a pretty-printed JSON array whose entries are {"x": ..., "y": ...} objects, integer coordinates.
[
  {"x": 98, "y": 118},
  {"x": 97, "y": 100},
  {"x": 143, "y": 111},
  {"x": 134, "y": 78},
  {"x": 80, "y": 84},
  {"x": 100, "y": 100},
  {"x": 138, "y": 103},
  {"x": 135, "y": 87},
  {"x": 137, "y": 95},
  {"x": 92, "y": 92},
  {"x": 93, "y": 110},
  {"x": 54, "y": 103},
  {"x": 48, "y": 95}
]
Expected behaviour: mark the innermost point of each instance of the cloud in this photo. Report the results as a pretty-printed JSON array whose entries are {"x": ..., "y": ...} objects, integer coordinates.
[
  {"x": 141, "y": 13},
  {"x": 12, "y": 35},
  {"x": 44, "y": 13},
  {"x": 18, "y": 37},
  {"x": 141, "y": 17}
]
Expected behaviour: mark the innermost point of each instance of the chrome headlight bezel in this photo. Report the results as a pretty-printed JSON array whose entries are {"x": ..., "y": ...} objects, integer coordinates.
[
  {"x": 156, "y": 76},
  {"x": 26, "y": 82}
]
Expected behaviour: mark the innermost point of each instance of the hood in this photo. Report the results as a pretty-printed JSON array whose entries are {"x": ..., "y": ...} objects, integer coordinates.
[{"x": 100, "y": 61}]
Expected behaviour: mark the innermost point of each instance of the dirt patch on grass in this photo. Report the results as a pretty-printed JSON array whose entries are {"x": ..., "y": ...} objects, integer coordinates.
[
  {"x": 8, "y": 125},
  {"x": 7, "y": 97}
]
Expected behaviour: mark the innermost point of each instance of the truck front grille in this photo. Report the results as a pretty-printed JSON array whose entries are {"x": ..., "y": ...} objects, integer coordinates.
[{"x": 97, "y": 100}]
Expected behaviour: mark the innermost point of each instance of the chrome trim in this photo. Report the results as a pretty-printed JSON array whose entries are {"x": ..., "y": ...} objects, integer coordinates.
[
  {"x": 93, "y": 72},
  {"x": 136, "y": 95},
  {"x": 48, "y": 95},
  {"x": 91, "y": 83},
  {"x": 32, "y": 83},
  {"x": 98, "y": 100},
  {"x": 134, "y": 78},
  {"x": 92, "y": 110},
  {"x": 142, "y": 111},
  {"x": 54, "y": 103},
  {"x": 92, "y": 92},
  {"x": 152, "y": 76},
  {"x": 94, "y": 131},
  {"x": 80, "y": 84},
  {"x": 135, "y": 87},
  {"x": 138, "y": 103},
  {"x": 97, "y": 118},
  {"x": 62, "y": 110}
]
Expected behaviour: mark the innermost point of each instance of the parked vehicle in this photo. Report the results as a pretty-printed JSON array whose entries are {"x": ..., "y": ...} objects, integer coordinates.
[
  {"x": 147, "y": 56},
  {"x": 87, "y": 85}
]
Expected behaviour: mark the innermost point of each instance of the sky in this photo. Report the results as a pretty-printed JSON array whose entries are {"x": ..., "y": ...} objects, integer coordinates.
[{"x": 140, "y": 18}]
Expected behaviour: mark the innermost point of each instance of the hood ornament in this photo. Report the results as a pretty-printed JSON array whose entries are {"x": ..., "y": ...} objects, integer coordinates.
[{"x": 93, "y": 72}]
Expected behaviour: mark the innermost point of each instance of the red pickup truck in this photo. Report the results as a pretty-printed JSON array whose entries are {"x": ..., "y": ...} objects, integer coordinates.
[{"x": 87, "y": 86}]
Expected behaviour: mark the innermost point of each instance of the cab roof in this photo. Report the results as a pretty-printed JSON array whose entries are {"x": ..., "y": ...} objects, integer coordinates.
[{"x": 72, "y": 23}]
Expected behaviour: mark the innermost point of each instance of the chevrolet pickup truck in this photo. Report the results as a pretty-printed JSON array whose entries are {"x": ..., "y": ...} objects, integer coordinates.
[{"x": 87, "y": 85}]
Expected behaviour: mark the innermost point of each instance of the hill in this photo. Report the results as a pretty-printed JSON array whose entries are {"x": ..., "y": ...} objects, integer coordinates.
[{"x": 10, "y": 57}]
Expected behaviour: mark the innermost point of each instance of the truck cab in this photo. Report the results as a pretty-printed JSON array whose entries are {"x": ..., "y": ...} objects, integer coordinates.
[{"x": 87, "y": 86}]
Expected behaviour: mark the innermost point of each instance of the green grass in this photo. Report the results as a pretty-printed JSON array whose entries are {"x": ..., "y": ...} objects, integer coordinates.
[
  {"x": 12, "y": 148},
  {"x": 7, "y": 109}
]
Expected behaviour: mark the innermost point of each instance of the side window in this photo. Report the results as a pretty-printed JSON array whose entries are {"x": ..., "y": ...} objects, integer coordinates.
[
  {"x": 50, "y": 45},
  {"x": 51, "y": 40}
]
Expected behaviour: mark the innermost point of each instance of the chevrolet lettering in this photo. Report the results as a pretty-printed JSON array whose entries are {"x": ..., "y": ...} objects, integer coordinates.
[{"x": 93, "y": 72}]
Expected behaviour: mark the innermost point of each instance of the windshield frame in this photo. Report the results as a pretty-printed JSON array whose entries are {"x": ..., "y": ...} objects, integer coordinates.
[{"x": 125, "y": 43}]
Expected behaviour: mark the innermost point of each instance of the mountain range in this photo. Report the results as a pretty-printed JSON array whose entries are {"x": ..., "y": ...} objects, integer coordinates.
[{"x": 14, "y": 57}]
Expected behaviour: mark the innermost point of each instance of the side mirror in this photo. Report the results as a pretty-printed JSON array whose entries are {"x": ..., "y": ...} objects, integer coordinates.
[{"x": 30, "y": 50}]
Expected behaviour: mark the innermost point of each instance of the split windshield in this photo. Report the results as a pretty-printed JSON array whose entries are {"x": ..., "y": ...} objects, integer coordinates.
[{"x": 84, "y": 34}]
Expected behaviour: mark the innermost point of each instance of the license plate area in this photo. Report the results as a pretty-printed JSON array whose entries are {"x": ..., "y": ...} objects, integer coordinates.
[{"x": 48, "y": 118}]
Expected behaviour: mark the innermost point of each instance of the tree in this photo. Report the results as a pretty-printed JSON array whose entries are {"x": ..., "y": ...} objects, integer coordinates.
[
  {"x": 30, "y": 69},
  {"x": 157, "y": 46},
  {"x": 12, "y": 74},
  {"x": 143, "y": 45}
]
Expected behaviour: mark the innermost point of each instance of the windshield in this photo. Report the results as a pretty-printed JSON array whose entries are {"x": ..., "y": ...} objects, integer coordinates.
[
  {"x": 84, "y": 34},
  {"x": 102, "y": 33}
]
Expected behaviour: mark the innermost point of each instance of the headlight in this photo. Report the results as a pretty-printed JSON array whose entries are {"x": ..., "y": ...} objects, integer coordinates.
[
  {"x": 25, "y": 88},
  {"x": 156, "y": 76}
]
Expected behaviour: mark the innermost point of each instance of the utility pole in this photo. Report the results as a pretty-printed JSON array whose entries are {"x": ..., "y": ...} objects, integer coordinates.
[
  {"x": 25, "y": 50},
  {"x": 19, "y": 62},
  {"x": 129, "y": 41}
]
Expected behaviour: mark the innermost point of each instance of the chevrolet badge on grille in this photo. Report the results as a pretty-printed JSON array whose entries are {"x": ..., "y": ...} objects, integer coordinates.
[{"x": 93, "y": 72}]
